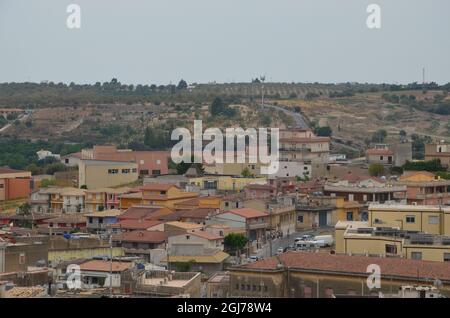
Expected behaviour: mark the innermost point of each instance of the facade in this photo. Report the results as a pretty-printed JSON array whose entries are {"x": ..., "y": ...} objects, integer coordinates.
[
  {"x": 303, "y": 145},
  {"x": 390, "y": 155},
  {"x": 366, "y": 190},
  {"x": 293, "y": 169},
  {"x": 96, "y": 174},
  {"x": 148, "y": 245},
  {"x": 357, "y": 238},
  {"x": 14, "y": 184},
  {"x": 424, "y": 188},
  {"x": 148, "y": 162},
  {"x": 281, "y": 213},
  {"x": 314, "y": 275},
  {"x": 255, "y": 222},
  {"x": 164, "y": 195},
  {"x": 259, "y": 191},
  {"x": 229, "y": 182},
  {"x": 97, "y": 274},
  {"x": 419, "y": 218},
  {"x": 440, "y": 150},
  {"x": 100, "y": 221}
]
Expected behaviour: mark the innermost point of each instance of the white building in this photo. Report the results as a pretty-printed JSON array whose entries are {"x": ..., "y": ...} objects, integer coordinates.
[
  {"x": 73, "y": 200},
  {"x": 96, "y": 274},
  {"x": 293, "y": 169},
  {"x": 42, "y": 154}
]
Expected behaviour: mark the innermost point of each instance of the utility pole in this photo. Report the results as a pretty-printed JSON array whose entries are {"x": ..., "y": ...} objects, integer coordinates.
[{"x": 110, "y": 264}]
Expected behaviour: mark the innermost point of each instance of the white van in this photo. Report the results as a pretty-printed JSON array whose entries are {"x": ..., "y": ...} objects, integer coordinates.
[{"x": 324, "y": 240}]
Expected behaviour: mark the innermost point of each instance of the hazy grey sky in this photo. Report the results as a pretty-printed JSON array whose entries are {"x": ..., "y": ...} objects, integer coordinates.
[{"x": 158, "y": 41}]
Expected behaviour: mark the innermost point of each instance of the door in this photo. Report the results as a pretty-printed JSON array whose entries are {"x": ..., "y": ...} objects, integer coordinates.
[{"x": 322, "y": 218}]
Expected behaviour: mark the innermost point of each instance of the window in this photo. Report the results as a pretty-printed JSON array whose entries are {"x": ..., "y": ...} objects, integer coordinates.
[
  {"x": 163, "y": 192},
  {"x": 410, "y": 219},
  {"x": 416, "y": 255},
  {"x": 227, "y": 204},
  {"x": 391, "y": 249},
  {"x": 22, "y": 258},
  {"x": 113, "y": 171},
  {"x": 1, "y": 186},
  {"x": 237, "y": 286},
  {"x": 381, "y": 158},
  {"x": 433, "y": 219},
  {"x": 187, "y": 237},
  {"x": 100, "y": 220},
  {"x": 254, "y": 287},
  {"x": 446, "y": 257},
  {"x": 242, "y": 287},
  {"x": 349, "y": 216},
  {"x": 90, "y": 220},
  {"x": 266, "y": 288},
  {"x": 126, "y": 171},
  {"x": 300, "y": 218},
  {"x": 156, "y": 172}
]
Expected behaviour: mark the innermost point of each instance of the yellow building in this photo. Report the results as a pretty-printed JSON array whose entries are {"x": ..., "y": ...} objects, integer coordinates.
[
  {"x": 358, "y": 238},
  {"x": 347, "y": 210},
  {"x": 234, "y": 169},
  {"x": 422, "y": 218},
  {"x": 165, "y": 195},
  {"x": 102, "y": 173},
  {"x": 225, "y": 183},
  {"x": 95, "y": 200},
  {"x": 206, "y": 202}
]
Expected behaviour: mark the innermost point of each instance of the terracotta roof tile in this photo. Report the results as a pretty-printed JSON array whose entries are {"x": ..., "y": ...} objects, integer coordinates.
[
  {"x": 248, "y": 213},
  {"x": 141, "y": 236}
]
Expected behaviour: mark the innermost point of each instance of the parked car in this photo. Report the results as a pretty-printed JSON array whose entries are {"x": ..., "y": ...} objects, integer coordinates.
[
  {"x": 280, "y": 250},
  {"x": 253, "y": 258}
]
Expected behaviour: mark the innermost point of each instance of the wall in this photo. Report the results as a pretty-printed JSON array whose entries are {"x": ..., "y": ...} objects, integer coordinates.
[{"x": 95, "y": 174}]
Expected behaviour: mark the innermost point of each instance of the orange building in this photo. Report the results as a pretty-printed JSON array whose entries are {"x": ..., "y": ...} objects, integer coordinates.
[
  {"x": 166, "y": 195},
  {"x": 14, "y": 184}
]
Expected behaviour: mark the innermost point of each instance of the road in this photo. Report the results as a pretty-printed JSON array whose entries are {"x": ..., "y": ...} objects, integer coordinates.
[
  {"x": 300, "y": 121},
  {"x": 21, "y": 118}
]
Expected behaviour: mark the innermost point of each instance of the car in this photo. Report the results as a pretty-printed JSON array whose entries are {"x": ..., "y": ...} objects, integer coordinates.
[
  {"x": 307, "y": 237},
  {"x": 280, "y": 250},
  {"x": 253, "y": 258}
]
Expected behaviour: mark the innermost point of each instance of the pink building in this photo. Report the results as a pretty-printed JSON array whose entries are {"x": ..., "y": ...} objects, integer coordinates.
[
  {"x": 259, "y": 191},
  {"x": 149, "y": 162}
]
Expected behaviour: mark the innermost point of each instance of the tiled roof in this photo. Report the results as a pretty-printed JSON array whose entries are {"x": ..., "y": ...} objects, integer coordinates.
[
  {"x": 105, "y": 266},
  {"x": 157, "y": 187},
  {"x": 135, "y": 224},
  {"x": 141, "y": 236},
  {"x": 144, "y": 212},
  {"x": 206, "y": 235},
  {"x": 9, "y": 170},
  {"x": 196, "y": 213},
  {"x": 345, "y": 264},
  {"x": 185, "y": 225},
  {"x": 217, "y": 257},
  {"x": 107, "y": 213},
  {"x": 260, "y": 186},
  {"x": 248, "y": 213}
]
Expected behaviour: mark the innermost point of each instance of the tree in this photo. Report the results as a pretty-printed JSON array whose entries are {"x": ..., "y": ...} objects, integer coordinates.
[
  {"x": 324, "y": 131},
  {"x": 182, "y": 84},
  {"x": 235, "y": 242},
  {"x": 218, "y": 108},
  {"x": 379, "y": 136},
  {"x": 376, "y": 169},
  {"x": 246, "y": 173}
]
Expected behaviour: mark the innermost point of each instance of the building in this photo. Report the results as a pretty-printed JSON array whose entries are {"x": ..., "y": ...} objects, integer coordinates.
[
  {"x": 366, "y": 190},
  {"x": 218, "y": 285},
  {"x": 281, "y": 214},
  {"x": 73, "y": 200},
  {"x": 259, "y": 191},
  {"x": 162, "y": 283},
  {"x": 99, "y": 222},
  {"x": 293, "y": 169},
  {"x": 174, "y": 228},
  {"x": 150, "y": 213},
  {"x": 133, "y": 225},
  {"x": 14, "y": 184},
  {"x": 424, "y": 188},
  {"x": 199, "y": 216},
  {"x": 419, "y": 218},
  {"x": 63, "y": 224},
  {"x": 390, "y": 155},
  {"x": 179, "y": 244},
  {"x": 314, "y": 212},
  {"x": 225, "y": 182},
  {"x": 97, "y": 274},
  {"x": 164, "y": 195},
  {"x": 202, "y": 202},
  {"x": 298, "y": 144},
  {"x": 44, "y": 154},
  {"x": 102, "y": 173},
  {"x": 440, "y": 150},
  {"x": 255, "y": 222},
  {"x": 22, "y": 253},
  {"x": 72, "y": 160},
  {"x": 358, "y": 238},
  {"x": 148, "y": 162},
  {"x": 323, "y": 275},
  {"x": 148, "y": 245}
]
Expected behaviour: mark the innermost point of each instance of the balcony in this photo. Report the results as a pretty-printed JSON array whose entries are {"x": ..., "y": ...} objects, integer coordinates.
[{"x": 257, "y": 225}]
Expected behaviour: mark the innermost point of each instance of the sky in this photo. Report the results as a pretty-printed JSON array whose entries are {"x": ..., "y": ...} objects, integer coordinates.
[{"x": 162, "y": 41}]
